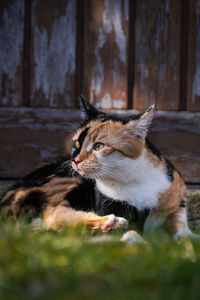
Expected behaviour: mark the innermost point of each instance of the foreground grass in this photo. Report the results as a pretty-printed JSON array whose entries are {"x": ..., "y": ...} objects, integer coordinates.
[{"x": 70, "y": 265}]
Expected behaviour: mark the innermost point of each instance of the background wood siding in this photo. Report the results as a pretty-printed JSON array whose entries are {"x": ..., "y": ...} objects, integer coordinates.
[
  {"x": 11, "y": 52},
  {"x": 29, "y": 136},
  {"x": 119, "y": 53},
  {"x": 53, "y": 53},
  {"x": 120, "y": 46},
  {"x": 157, "y": 54},
  {"x": 105, "y": 53},
  {"x": 193, "y": 95}
]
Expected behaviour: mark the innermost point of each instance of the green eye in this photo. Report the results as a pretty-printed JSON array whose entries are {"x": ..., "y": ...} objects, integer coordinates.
[
  {"x": 77, "y": 144},
  {"x": 98, "y": 146}
]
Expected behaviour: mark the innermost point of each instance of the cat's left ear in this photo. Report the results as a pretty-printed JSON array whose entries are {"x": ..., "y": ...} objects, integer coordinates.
[
  {"x": 140, "y": 126},
  {"x": 90, "y": 112}
]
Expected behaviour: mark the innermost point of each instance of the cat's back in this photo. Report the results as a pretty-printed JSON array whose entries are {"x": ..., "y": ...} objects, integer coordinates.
[{"x": 49, "y": 184}]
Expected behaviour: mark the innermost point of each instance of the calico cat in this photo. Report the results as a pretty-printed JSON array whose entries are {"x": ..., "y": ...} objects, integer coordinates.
[{"x": 113, "y": 169}]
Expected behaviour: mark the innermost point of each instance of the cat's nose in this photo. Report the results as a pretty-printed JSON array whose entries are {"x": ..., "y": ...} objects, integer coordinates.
[{"x": 77, "y": 161}]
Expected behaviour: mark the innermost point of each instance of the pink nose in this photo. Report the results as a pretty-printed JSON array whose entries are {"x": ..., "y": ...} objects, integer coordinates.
[{"x": 77, "y": 161}]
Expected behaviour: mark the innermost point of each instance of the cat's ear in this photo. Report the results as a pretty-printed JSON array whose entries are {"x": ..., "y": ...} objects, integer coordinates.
[
  {"x": 90, "y": 112},
  {"x": 140, "y": 126}
]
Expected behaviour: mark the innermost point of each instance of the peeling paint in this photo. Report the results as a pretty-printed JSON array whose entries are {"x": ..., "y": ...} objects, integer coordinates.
[
  {"x": 112, "y": 17},
  {"x": 11, "y": 45},
  {"x": 111, "y": 24},
  {"x": 119, "y": 104},
  {"x": 196, "y": 80},
  {"x": 105, "y": 102},
  {"x": 141, "y": 47},
  {"x": 98, "y": 75},
  {"x": 55, "y": 59}
]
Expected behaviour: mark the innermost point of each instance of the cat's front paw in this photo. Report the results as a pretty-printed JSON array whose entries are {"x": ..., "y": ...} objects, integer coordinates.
[
  {"x": 120, "y": 223},
  {"x": 114, "y": 222}
]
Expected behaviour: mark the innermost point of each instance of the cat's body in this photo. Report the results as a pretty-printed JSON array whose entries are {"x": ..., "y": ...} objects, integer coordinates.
[{"x": 116, "y": 170}]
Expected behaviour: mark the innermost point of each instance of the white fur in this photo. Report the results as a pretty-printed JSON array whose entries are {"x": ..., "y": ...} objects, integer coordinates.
[
  {"x": 132, "y": 237},
  {"x": 184, "y": 230},
  {"x": 135, "y": 181},
  {"x": 120, "y": 223},
  {"x": 89, "y": 146}
]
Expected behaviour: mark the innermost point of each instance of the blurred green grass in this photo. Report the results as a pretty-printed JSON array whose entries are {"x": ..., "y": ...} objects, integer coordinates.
[{"x": 70, "y": 264}]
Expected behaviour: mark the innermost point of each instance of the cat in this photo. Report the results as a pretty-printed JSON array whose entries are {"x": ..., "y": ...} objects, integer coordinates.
[{"x": 114, "y": 171}]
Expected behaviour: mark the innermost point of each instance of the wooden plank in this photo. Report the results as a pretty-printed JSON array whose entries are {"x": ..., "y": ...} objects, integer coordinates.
[
  {"x": 53, "y": 53},
  {"x": 146, "y": 55},
  {"x": 169, "y": 32},
  {"x": 27, "y": 53},
  {"x": 157, "y": 54},
  {"x": 193, "y": 85},
  {"x": 30, "y": 135},
  {"x": 105, "y": 53},
  {"x": 184, "y": 151},
  {"x": 79, "y": 50},
  {"x": 11, "y": 45}
]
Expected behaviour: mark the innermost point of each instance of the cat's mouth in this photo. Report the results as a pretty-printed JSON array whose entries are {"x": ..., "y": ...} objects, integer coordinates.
[
  {"x": 79, "y": 169},
  {"x": 84, "y": 171}
]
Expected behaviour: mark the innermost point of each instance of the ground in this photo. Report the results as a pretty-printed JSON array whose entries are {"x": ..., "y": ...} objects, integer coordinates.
[{"x": 72, "y": 264}]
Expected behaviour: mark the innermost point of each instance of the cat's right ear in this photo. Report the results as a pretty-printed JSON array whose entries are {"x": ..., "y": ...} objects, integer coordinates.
[
  {"x": 140, "y": 126},
  {"x": 90, "y": 112}
]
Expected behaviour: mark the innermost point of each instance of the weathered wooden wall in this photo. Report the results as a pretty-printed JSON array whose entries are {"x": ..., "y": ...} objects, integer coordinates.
[
  {"x": 119, "y": 53},
  {"x": 105, "y": 53},
  {"x": 193, "y": 94},
  {"x": 53, "y": 55},
  {"x": 11, "y": 52},
  {"x": 157, "y": 54}
]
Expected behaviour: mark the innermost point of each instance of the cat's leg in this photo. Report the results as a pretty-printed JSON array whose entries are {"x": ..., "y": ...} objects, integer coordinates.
[
  {"x": 153, "y": 221},
  {"x": 62, "y": 216},
  {"x": 177, "y": 225}
]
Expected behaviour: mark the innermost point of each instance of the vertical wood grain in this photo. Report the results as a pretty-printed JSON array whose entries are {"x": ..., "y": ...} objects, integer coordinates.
[
  {"x": 53, "y": 53},
  {"x": 11, "y": 47},
  {"x": 146, "y": 54},
  {"x": 105, "y": 53},
  {"x": 157, "y": 54},
  {"x": 169, "y": 35},
  {"x": 27, "y": 53},
  {"x": 79, "y": 50},
  {"x": 193, "y": 84}
]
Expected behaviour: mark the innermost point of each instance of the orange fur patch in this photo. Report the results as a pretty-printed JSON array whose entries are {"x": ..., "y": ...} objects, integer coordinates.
[
  {"x": 65, "y": 216},
  {"x": 170, "y": 200}
]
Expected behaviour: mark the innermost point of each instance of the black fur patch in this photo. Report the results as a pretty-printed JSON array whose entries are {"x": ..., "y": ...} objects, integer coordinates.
[
  {"x": 116, "y": 118},
  {"x": 104, "y": 117},
  {"x": 33, "y": 203},
  {"x": 44, "y": 174},
  {"x": 170, "y": 170},
  {"x": 81, "y": 139},
  {"x": 82, "y": 197},
  {"x": 153, "y": 149},
  {"x": 182, "y": 204},
  {"x": 106, "y": 206}
]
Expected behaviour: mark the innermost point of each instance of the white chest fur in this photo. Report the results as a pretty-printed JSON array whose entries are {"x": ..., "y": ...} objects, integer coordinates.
[{"x": 137, "y": 182}]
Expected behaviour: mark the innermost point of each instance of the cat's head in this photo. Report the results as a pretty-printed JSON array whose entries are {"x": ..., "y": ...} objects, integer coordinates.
[{"x": 103, "y": 141}]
